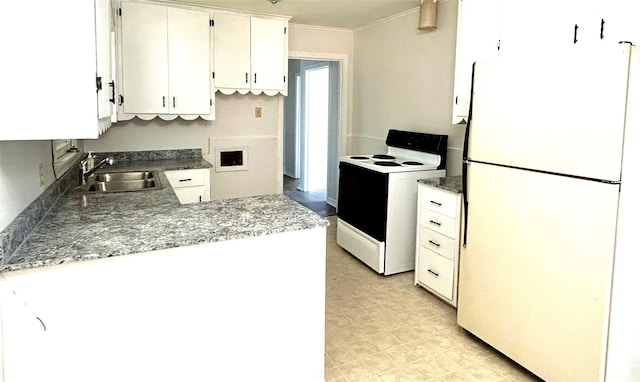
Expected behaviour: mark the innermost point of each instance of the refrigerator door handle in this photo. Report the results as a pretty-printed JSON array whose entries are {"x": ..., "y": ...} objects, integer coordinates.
[
  {"x": 465, "y": 160},
  {"x": 465, "y": 202}
]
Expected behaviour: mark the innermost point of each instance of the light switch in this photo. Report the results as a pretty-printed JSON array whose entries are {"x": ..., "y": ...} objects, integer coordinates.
[{"x": 258, "y": 112}]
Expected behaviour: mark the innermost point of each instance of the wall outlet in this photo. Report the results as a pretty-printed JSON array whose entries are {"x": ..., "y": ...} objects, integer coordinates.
[
  {"x": 258, "y": 112},
  {"x": 41, "y": 171}
]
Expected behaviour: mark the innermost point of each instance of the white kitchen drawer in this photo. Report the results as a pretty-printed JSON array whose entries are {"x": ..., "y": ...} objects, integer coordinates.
[
  {"x": 186, "y": 178},
  {"x": 440, "y": 201},
  {"x": 436, "y": 273},
  {"x": 443, "y": 224},
  {"x": 438, "y": 243}
]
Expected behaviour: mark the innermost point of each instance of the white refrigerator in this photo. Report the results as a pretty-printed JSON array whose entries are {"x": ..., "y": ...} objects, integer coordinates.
[{"x": 549, "y": 269}]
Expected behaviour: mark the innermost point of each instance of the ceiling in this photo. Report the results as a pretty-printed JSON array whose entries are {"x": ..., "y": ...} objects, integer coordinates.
[{"x": 349, "y": 14}]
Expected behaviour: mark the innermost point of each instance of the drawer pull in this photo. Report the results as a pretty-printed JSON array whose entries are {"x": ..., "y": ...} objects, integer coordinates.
[
  {"x": 433, "y": 273},
  {"x": 435, "y": 222},
  {"x": 185, "y": 180},
  {"x": 434, "y": 243},
  {"x": 436, "y": 203}
]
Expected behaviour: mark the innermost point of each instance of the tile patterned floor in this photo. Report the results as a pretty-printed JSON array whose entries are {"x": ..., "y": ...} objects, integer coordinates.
[{"x": 386, "y": 329}]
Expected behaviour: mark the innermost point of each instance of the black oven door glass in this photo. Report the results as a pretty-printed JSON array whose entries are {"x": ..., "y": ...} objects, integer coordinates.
[{"x": 362, "y": 199}]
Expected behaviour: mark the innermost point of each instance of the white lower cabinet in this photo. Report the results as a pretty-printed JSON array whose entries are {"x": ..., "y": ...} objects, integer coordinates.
[
  {"x": 438, "y": 241},
  {"x": 435, "y": 272},
  {"x": 190, "y": 186},
  {"x": 140, "y": 317}
]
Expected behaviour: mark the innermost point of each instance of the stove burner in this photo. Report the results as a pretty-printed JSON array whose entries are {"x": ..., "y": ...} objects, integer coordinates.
[
  {"x": 359, "y": 157},
  {"x": 388, "y": 164},
  {"x": 383, "y": 156},
  {"x": 412, "y": 163}
]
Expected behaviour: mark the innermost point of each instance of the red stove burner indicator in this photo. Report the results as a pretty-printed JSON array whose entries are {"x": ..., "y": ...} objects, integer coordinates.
[
  {"x": 359, "y": 157},
  {"x": 383, "y": 156},
  {"x": 387, "y": 163},
  {"x": 412, "y": 163}
]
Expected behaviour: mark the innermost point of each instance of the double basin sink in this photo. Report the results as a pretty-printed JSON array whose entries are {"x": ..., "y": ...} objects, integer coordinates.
[{"x": 121, "y": 182}]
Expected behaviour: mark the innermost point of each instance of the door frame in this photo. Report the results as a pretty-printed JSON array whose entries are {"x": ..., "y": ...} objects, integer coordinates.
[{"x": 343, "y": 62}]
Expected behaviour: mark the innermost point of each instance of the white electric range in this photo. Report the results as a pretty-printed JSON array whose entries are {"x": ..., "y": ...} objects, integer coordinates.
[{"x": 377, "y": 199}]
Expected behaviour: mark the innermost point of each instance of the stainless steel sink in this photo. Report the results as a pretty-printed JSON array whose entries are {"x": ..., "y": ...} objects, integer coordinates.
[
  {"x": 120, "y": 182},
  {"x": 124, "y": 176},
  {"x": 122, "y": 185}
]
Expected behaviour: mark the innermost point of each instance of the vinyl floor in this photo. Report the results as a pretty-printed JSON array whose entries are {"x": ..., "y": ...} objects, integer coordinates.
[{"x": 384, "y": 329}]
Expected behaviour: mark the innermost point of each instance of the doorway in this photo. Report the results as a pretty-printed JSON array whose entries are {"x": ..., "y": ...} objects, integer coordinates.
[{"x": 311, "y": 125}]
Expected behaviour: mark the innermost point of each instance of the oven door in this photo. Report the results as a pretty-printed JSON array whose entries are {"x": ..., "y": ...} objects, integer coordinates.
[{"x": 362, "y": 199}]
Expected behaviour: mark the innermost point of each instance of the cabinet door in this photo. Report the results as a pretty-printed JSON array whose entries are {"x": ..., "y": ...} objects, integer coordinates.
[
  {"x": 477, "y": 40},
  {"x": 48, "y": 68},
  {"x": 103, "y": 57},
  {"x": 144, "y": 58},
  {"x": 268, "y": 54},
  {"x": 531, "y": 28},
  {"x": 188, "y": 34},
  {"x": 232, "y": 57},
  {"x": 620, "y": 18}
]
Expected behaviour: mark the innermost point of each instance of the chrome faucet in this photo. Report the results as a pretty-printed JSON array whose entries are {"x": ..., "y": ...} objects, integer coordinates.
[{"x": 86, "y": 172}]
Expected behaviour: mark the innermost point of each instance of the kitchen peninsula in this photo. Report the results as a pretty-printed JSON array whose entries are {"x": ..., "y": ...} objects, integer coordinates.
[{"x": 136, "y": 286}]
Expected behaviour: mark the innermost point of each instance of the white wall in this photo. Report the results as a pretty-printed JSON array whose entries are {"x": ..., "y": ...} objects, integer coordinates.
[
  {"x": 20, "y": 176},
  {"x": 235, "y": 126},
  {"x": 404, "y": 80}
]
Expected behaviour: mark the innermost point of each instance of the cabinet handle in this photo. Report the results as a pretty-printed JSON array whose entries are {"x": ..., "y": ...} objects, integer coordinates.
[
  {"x": 200, "y": 198},
  {"x": 174, "y": 101},
  {"x": 575, "y": 33},
  {"x": 435, "y": 222},
  {"x": 433, "y": 273},
  {"x": 163, "y": 101},
  {"x": 434, "y": 243},
  {"x": 185, "y": 180},
  {"x": 435, "y": 203},
  {"x": 255, "y": 78},
  {"x": 112, "y": 85},
  {"x": 601, "y": 29},
  {"x": 246, "y": 78}
]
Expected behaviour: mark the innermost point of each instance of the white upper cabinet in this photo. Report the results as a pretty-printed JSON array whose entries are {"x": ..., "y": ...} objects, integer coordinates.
[
  {"x": 250, "y": 54},
  {"x": 478, "y": 39},
  {"x": 105, "y": 82},
  {"x": 269, "y": 54},
  {"x": 232, "y": 51},
  {"x": 532, "y": 28},
  {"x": 189, "y": 61},
  {"x": 507, "y": 29},
  {"x": 619, "y": 21},
  {"x": 164, "y": 61},
  {"x": 48, "y": 70}
]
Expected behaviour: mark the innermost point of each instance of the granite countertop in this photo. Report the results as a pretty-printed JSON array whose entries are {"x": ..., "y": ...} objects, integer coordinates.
[
  {"x": 449, "y": 183},
  {"x": 90, "y": 226}
]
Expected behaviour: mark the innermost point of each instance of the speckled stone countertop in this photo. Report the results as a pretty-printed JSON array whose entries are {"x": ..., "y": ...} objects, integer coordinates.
[
  {"x": 83, "y": 227},
  {"x": 449, "y": 183}
]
